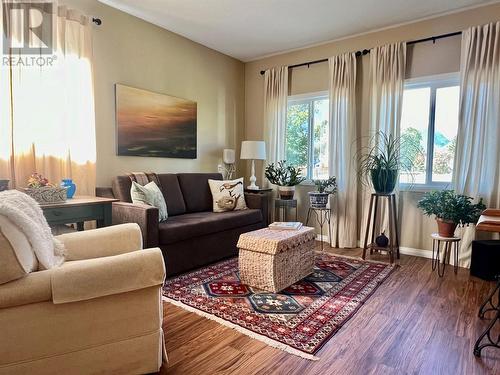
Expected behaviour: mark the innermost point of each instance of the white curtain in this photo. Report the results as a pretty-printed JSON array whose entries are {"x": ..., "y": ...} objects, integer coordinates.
[
  {"x": 477, "y": 161},
  {"x": 386, "y": 80},
  {"x": 47, "y": 112},
  {"x": 275, "y": 108},
  {"x": 342, "y": 146}
]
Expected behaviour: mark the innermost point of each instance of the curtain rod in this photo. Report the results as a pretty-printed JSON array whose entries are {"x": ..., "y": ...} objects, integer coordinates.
[
  {"x": 367, "y": 51},
  {"x": 97, "y": 21}
]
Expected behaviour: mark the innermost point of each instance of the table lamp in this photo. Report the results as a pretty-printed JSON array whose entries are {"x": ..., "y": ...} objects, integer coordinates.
[{"x": 253, "y": 150}]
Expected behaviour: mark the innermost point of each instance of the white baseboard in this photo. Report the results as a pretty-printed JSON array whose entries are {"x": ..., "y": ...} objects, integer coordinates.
[{"x": 415, "y": 252}]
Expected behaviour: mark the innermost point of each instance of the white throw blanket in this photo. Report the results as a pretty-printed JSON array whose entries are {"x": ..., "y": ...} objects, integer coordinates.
[{"x": 26, "y": 214}]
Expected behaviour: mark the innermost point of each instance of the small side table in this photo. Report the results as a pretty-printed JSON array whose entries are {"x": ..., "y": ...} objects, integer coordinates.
[
  {"x": 323, "y": 216},
  {"x": 78, "y": 210},
  {"x": 282, "y": 206},
  {"x": 268, "y": 194},
  {"x": 449, "y": 243}
]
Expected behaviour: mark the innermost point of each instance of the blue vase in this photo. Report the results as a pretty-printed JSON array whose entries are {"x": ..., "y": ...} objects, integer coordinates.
[{"x": 70, "y": 187}]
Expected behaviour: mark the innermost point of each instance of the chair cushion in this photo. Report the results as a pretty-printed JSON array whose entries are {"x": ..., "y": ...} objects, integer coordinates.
[
  {"x": 197, "y": 224},
  {"x": 172, "y": 194},
  {"x": 17, "y": 258},
  {"x": 195, "y": 190}
]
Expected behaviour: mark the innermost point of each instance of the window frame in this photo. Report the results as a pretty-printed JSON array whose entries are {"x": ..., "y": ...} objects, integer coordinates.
[
  {"x": 307, "y": 98},
  {"x": 433, "y": 82}
]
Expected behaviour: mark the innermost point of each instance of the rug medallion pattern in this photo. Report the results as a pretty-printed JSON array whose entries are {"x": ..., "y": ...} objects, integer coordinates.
[{"x": 303, "y": 316}]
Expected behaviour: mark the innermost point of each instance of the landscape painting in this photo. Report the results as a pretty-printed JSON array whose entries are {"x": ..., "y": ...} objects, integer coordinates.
[{"x": 152, "y": 124}]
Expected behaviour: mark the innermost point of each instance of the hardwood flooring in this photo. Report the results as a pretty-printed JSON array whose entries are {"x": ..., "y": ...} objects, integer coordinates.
[{"x": 415, "y": 323}]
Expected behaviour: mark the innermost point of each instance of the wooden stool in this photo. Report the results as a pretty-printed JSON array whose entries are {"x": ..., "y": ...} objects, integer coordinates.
[
  {"x": 393, "y": 226},
  {"x": 449, "y": 242}
]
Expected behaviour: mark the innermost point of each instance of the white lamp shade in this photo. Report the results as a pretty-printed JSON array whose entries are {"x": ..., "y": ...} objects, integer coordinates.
[
  {"x": 228, "y": 156},
  {"x": 253, "y": 150}
]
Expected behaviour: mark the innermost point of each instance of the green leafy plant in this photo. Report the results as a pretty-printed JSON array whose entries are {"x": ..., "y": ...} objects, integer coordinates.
[
  {"x": 451, "y": 207},
  {"x": 326, "y": 186},
  {"x": 379, "y": 164},
  {"x": 282, "y": 174}
]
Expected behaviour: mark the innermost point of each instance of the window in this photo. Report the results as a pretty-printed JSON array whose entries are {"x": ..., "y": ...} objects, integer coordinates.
[
  {"x": 306, "y": 144},
  {"x": 429, "y": 123}
]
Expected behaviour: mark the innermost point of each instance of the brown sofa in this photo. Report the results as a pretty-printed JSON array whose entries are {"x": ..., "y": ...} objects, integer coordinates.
[{"x": 193, "y": 235}]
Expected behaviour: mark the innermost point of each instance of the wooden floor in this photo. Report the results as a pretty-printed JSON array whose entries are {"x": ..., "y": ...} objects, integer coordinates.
[{"x": 415, "y": 323}]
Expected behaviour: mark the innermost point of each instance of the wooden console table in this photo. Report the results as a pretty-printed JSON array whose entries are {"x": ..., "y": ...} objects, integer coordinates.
[{"x": 78, "y": 210}]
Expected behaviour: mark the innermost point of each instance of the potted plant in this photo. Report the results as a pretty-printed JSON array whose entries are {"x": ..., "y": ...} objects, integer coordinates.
[
  {"x": 41, "y": 190},
  {"x": 286, "y": 177},
  {"x": 450, "y": 210},
  {"x": 319, "y": 198},
  {"x": 380, "y": 163}
]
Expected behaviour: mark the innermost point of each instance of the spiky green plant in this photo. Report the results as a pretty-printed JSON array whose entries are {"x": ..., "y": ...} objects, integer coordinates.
[{"x": 380, "y": 162}]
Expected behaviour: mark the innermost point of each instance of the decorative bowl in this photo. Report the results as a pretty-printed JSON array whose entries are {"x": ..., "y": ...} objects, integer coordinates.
[{"x": 47, "y": 194}]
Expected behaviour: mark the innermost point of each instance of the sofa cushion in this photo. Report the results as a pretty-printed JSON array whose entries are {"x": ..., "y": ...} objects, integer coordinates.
[
  {"x": 197, "y": 224},
  {"x": 121, "y": 188},
  {"x": 172, "y": 193},
  {"x": 196, "y": 192}
]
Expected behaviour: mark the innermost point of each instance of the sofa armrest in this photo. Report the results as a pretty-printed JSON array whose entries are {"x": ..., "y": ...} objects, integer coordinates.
[
  {"x": 102, "y": 242},
  {"x": 92, "y": 278},
  {"x": 258, "y": 201},
  {"x": 145, "y": 216}
]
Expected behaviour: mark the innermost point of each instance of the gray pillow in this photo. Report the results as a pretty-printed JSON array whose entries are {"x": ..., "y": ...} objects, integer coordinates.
[{"x": 151, "y": 195}]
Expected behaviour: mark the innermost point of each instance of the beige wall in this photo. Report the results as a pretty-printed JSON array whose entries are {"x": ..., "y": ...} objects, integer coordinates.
[
  {"x": 423, "y": 59},
  {"x": 136, "y": 53}
]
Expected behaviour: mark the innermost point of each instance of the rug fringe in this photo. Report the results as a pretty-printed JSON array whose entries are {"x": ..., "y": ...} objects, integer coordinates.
[{"x": 264, "y": 339}]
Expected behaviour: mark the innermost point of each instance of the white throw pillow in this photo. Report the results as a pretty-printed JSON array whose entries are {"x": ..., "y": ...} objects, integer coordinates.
[
  {"x": 23, "y": 251},
  {"x": 150, "y": 194},
  {"x": 227, "y": 195}
]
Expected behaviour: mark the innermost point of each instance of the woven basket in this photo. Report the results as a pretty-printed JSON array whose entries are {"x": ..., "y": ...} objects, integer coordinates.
[
  {"x": 273, "y": 260},
  {"x": 47, "y": 194}
]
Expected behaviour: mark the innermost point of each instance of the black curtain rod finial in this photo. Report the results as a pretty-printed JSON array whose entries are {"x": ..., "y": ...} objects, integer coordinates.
[{"x": 97, "y": 21}]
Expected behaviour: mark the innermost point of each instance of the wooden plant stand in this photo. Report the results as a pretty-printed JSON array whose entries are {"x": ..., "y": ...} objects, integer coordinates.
[{"x": 393, "y": 247}]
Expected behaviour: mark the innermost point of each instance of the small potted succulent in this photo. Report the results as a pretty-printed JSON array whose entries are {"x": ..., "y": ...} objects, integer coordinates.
[
  {"x": 41, "y": 190},
  {"x": 286, "y": 177},
  {"x": 450, "y": 210},
  {"x": 319, "y": 198}
]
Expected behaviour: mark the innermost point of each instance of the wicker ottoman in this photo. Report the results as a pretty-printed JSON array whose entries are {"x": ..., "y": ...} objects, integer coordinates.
[{"x": 272, "y": 260}]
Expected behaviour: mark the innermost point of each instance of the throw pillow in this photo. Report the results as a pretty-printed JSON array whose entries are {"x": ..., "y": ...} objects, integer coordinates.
[
  {"x": 151, "y": 195},
  {"x": 227, "y": 195},
  {"x": 18, "y": 258}
]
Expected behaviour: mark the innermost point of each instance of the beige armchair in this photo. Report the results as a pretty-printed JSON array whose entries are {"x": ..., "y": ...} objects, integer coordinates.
[{"x": 99, "y": 313}]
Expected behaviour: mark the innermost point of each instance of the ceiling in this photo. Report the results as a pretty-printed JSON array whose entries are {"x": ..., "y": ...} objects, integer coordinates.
[{"x": 249, "y": 29}]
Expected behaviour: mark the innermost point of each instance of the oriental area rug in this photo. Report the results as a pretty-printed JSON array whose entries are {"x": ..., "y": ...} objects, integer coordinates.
[{"x": 299, "y": 319}]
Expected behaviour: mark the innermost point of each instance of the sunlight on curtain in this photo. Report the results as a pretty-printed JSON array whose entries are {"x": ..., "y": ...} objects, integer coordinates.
[
  {"x": 387, "y": 73},
  {"x": 51, "y": 129},
  {"x": 342, "y": 143},
  {"x": 477, "y": 161}
]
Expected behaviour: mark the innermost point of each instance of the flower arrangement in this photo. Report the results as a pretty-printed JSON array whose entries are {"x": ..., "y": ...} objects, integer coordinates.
[
  {"x": 41, "y": 190},
  {"x": 36, "y": 181}
]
